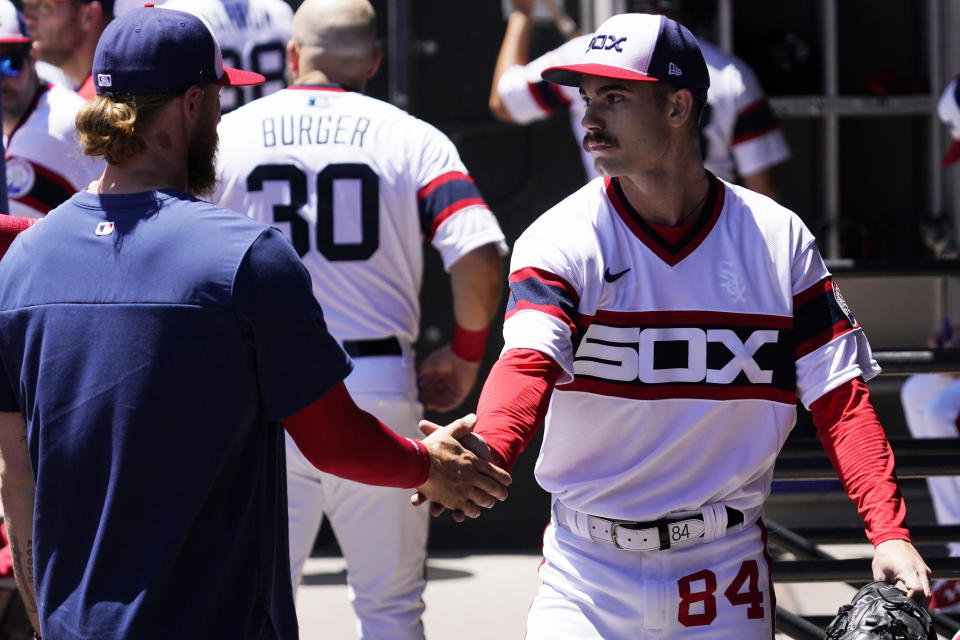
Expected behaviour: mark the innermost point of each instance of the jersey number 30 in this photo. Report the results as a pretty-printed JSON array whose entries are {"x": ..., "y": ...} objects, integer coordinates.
[{"x": 326, "y": 186}]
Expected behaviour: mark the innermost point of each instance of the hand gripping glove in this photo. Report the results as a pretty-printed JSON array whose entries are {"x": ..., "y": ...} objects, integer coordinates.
[{"x": 881, "y": 611}]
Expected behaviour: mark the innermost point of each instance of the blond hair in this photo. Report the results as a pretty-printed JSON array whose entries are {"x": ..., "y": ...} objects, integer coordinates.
[{"x": 109, "y": 126}]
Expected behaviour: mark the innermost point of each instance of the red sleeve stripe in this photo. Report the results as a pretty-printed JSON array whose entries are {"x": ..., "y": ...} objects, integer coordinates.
[
  {"x": 456, "y": 207},
  {"x": 445, "y": 196},
  {"x": 754, "y": 121},
  {"x": 547, "y": 278},
  {"x": 809, "y": 346},
  {"x": 538, "y": 290},
  {"x": 548, "y": 96},
  {"x": 819, "y": 317},
  {"x": 439, "y": 181},
  {"x": 813, "y": 292}
]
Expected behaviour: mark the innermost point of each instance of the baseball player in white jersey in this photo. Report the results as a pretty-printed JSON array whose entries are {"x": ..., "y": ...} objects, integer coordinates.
[
  {"x": 252, "y": 34},
  {"x": 931, "y": 402},
  {"x": 357, "y": 184},
  {"x": 666, "y": 322},
  {"x": 44, "y": 163},
  {"x": 740, "y": 137}
]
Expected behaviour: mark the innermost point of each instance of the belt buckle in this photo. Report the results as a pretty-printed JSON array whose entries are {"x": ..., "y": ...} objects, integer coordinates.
[{"x": 624, "y": 523}]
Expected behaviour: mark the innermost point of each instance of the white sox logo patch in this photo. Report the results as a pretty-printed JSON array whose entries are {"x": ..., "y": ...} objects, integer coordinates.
[
  {"x": 606, "y": 43},
  {"x": 843, "y": 304},
  {"x": 730, "y": 281}
]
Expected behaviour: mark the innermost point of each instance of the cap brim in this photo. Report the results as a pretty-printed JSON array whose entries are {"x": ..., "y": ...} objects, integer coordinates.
[
  {"x": 239, "y": 78},
  {"x": 571, "y": 74},
  {"x": 952, "y": 154},
  {"x": 15, "y": 40}
]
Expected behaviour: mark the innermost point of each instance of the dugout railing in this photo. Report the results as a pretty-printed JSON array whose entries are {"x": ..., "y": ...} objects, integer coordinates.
[{"x": 805, "y": 460}]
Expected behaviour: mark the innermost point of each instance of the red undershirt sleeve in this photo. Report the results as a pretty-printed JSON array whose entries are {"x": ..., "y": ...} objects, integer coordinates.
[
  {"x": 514, "y": 401},
  {"x": 339, "y": 437},
  {"x": 10, "y": 226},
  {"x": 861, "y": 455}
]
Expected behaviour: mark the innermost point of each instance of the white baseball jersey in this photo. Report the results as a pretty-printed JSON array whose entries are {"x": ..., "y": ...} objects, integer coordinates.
[
  {"x": 252, "y": 35},
  {"x": 356, "y": 184},
  {"x": 739, "y": 133},
  {"x": 682, "y": 363},
  {"x": 45, "y": 165}
]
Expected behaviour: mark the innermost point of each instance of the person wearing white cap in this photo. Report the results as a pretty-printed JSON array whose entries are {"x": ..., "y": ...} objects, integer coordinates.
[
  {"x": 154, "y": 350},
  {"x": 664, "y": 323},
  {"x": 44, "y": 163},
  {"x": 741, "y": 140}
]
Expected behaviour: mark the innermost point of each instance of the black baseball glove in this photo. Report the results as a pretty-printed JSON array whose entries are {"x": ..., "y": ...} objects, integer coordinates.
[{"x": 881, "y": 611}]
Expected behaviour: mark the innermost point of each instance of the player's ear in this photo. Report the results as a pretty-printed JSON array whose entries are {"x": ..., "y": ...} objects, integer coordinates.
[
  {"x": 293, "y": 58},
  {"x": 376, "y": 59},
  {"x": 680, "y": 107},
  {"x": 193, "y": 105}
]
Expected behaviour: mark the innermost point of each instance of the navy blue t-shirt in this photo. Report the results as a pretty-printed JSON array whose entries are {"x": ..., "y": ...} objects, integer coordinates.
[{"x": 153, "y": 342}]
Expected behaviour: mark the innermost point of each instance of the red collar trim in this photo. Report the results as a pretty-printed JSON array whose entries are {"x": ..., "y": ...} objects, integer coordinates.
[{"x": 672, "y": 254}]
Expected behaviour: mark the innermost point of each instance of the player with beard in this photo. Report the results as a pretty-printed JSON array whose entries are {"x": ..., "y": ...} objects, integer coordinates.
[
  {"x": 44, "y": 162},
  {"x": 154, "y": 348}
]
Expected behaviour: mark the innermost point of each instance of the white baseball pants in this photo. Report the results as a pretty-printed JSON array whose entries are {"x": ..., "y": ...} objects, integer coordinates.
[
  {"x": 383, "y": 538},
  {"x": 712, "y": 591}
]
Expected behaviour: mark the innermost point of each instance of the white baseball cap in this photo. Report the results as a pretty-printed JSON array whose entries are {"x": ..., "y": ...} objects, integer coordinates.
[
  {"x": 12, "y": 27},
  {"x": 640, "y": 46},
  {"x": 949, "y": 111}
]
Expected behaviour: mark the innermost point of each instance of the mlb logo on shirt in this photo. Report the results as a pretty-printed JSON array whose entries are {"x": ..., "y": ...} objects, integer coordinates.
[{"x": 104, "y": 228}]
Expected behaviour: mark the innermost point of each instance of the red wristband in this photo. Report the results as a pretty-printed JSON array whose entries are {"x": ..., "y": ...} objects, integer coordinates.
[{"x": 469, "y": 345}]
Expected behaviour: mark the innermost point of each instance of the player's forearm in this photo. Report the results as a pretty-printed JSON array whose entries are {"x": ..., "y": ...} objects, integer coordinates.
[
  {"x": 476, "y": 280},
  {"x": 858, "y": 448},
  {"x": 514, "y": 402},
  {"x": 339, "y": 437},
  {"x": 19, "y": 522},
  {"x": 514, "y": 50},
  {"x": 17, "y": 493}
]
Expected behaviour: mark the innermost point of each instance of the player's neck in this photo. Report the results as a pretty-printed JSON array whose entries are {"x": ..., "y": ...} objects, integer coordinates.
[
  {"x": 667, "y": 199},
  {"x": 77, "y": 67},
  {"x": 316, "y": 77},
  {"x": 135, "y": 178}
]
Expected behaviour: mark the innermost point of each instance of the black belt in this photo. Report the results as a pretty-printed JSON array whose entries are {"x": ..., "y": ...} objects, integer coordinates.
[{"x": 382, "y": 347}]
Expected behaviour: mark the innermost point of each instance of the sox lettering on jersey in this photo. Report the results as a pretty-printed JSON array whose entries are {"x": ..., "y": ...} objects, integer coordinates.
[
  {"x": 628, "y": 353},
  {"x": 708, "y": 361}
]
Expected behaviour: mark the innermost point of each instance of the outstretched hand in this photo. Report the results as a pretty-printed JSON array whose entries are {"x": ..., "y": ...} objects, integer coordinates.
[
  {"x": 444, "y": 379},
  {"x": 898, "y": 560},
  {"x": 471, "y": 441},
  {"x": 460, "y": 480}
]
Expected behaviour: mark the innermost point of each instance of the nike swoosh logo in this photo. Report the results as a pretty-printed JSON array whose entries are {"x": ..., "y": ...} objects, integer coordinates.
[{"x": 613, "y": 277}]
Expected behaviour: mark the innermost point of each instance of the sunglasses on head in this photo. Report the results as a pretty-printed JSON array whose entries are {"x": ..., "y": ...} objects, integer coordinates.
[{"x": 11, "y": 62}]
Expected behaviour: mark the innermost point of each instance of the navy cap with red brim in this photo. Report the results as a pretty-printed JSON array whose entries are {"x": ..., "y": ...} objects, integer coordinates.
[
  {"x": 571, "y": 74},
  {"x": 239, "y": 78}
]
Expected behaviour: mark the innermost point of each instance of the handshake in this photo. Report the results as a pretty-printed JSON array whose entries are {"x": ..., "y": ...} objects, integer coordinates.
[{"x": 462, "y": 476}]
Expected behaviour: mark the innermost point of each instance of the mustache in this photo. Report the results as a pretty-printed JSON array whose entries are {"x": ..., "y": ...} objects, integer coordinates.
[{"x": 600, "y": 138}]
